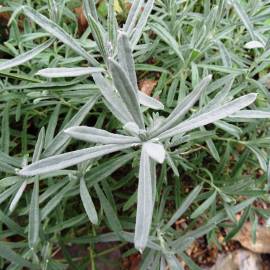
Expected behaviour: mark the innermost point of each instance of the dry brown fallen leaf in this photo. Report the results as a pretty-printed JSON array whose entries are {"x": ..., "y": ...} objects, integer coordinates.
[
  {"x": 147, "y": 86},
  {"x": 82, "y": 21},
  {"x": 132, "y": 262},
  {"x": 262, "y": 238}
]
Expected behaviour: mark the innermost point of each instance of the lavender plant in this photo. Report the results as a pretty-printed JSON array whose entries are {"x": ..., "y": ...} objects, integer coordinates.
[{"x": 142, "y": 131}]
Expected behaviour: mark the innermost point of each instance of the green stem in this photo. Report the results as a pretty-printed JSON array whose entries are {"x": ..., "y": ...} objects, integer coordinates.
[
  {"x": 92, "y": 252},
  {"x": 109, "y": 250}
]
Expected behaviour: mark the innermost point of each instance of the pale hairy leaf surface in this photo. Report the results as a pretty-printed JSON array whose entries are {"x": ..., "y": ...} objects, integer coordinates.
[
  {"x": 144, "y": 203},
  {"x": 27, "y": 56},
  {"x": 67, "y": 72},
  {"x": 133, "y": 16},
  {"x": 168, "y": 38},
  {"x": 149, "y": 102},
  {"x": 155, "y": 150},
  {"x": 238, "y": 6},
  {"x": 90, "y": 8},
  {"x": 126, "y": 59},
  {"x": 183, "y": 107},
  {"x": 58, "y": 32},
  {"x": 17, "y": 196},
  {"x": 127, "y": 92},
  {"x": 132, "y": 128},
  {"x": 39, "y": 145},
  {"x": 211, "y": 116},
  {"x": 97, "y": 30},
  {"x": 95, "y": 135},
  {"x": 113, "y": 100},
  {"x": 87, "y": 202},
  {"x": 62, "y": 161},
  {"x": 251, "y": 114},
  {"x": 34, "y": 219},
  {"x": 142, "y": 22}
]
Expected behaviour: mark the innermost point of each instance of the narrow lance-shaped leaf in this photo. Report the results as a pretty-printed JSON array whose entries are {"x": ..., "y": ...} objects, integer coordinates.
[
  {"x": 202, "y": 230},
  {"x": 204, "y": 206},
  {"x": 219, "y": 98},
  {"x": 34, "y": 221},
  {"x": 58, "y": 32},
  {"x": 211, "y": 116},
  {"x": 153, "y": 179},
  {"x": 144, "y": 203},
  {"x": 55, "y": 200},
  {"x": 13, "y": 161},
  {"x": 183, "y": 107},
  {"x": 168, "y": 38},
  {"x": 225, "y": 55},
  {"x": 53, "y": 189},
  {"x": 142, "y": 22},
  {"x": 25, "y": 57},
  {"x": 39, "y": 145},
  {"x": 34, "y": 217},
  {"x": 231, "y": 129},
  {"x": 5, "y": 129},
  {"x": 11, "y": 224},
  {"x": 95, "y": 135},
  {"x": 260, "y": 155},
  {"x": 52, "y": 125},
  {"x": 61, "y": 138},
  {"x": 127, "y": 63},
  {"x": 90, "y": 8},
  {"x": 248, "y": 114},
  {"x": 149, "y": 101},
  {"x": 11, "y": 256},
  {"x": 127, "y": 92},
  {"x": 62, "y": 161},
  {"x": 244, "y": 18},
  {"x": 133, "y": 16},
  {"x": 87, "y": 202},
  {"x": 211, "y": 146},
  {"x": 7, "y": 193},
  {"x": 4, "y": 167},
  {"x": 67, "y": 72},
  {"x": 113, "y": 100},
  {"x": 184, "y": 206},
  {"x": 17, "y": 196},
  {"x": 112, "y": 23},
  {"x": 113, "y": 221},
  {"x": 125, "y": 58},
  {"x": 105, "y": 169},
  {"x": 98, "y": 32},
  {"x": 54, "y": 10},
  {"x": 213, "y": 150}
]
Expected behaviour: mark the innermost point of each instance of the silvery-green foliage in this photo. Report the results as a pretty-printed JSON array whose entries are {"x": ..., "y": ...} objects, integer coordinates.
[
  {"x": 67, "y": 72},
  {"x": 156, "y": 151},
  {"x": 151, "y": 140},
  {"x": 122, "y": 94}
]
